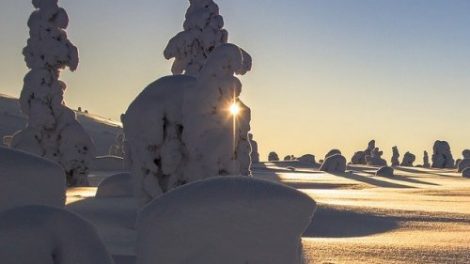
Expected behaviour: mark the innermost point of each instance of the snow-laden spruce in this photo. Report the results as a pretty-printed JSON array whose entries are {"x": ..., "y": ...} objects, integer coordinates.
[
  {"x": 395, "y": 157},
  {"x": 254, "y": 149},
  {"x": 408, "y": 159},
  {"x": 230, "y": 220},
  {"x": 180, "y": 129},
  {"x": 442, "y": 156},
  {"x": 273, "y": 156},
  {"x": 203, "y": 32},
  {"x": 52, "y": 131},
  {"x": 375, "y": 158}
]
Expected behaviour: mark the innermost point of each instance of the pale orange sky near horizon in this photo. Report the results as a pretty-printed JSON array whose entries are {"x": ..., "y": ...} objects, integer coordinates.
[{"x": 327, "y": 74}]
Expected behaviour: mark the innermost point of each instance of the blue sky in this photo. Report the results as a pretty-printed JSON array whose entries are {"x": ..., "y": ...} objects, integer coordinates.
[{"x": 326, "y": 73}]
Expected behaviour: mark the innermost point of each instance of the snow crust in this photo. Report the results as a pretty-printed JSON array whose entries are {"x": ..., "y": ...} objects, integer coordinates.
[
  {"x": 229, "y": 220},
  {"x": 52, "y": 131},
  {"x": 26, "y": 179},
  {"x": 47, "y": 235}
]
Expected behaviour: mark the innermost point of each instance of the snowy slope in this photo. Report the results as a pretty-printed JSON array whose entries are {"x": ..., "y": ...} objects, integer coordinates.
[{"x": 102, "y": 130}]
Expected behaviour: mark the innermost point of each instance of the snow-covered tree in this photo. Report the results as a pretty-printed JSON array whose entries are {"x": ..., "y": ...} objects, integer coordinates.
[
  {"x": 180, "y": 129},
  {"x": 272, "y": 156},
  {"x": 203, "y": 32},
  {"x": 395, "y": 156},
  {"x": 254, "y": 149},
  {"x": 442, "y": 156},
  {"x": 117, "y": 149},
  {"x": 52, "y": 131}
]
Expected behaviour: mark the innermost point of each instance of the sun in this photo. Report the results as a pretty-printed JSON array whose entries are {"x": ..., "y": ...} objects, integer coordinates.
[{"x": 234, "y": 109}]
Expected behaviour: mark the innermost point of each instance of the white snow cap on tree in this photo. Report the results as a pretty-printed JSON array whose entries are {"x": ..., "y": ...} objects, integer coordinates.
[
  {"x": 180, "y": 129},
  {"x": 202, "y": 34},
  {"x": 53, "y": 131}
]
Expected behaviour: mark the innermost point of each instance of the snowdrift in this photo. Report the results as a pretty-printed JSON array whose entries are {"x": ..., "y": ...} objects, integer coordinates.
[
  {"x": 225, "y": 220},
  {"x": 26, "y": 179},
  {"x": 47, "y": 235}
]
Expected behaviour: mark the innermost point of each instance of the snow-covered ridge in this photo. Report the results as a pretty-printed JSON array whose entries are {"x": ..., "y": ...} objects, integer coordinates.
[{"x": 103, "y": 131}]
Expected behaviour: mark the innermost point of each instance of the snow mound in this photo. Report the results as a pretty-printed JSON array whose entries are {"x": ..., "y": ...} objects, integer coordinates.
[
  {"x": 463, "y": 164},
  {"x": 466, "y": 173},
  {"x": 307, "y": 158},
  {"x": 230, "y": 220},
  {"x": 46, "y": 235},
  {"x": 334, "y": 164},
  {"x": 385, "y": 172},
  {"x": 108, "y": 163},
  {"x": 119, "y": 185},
  {"x": 27, "y": 179}
]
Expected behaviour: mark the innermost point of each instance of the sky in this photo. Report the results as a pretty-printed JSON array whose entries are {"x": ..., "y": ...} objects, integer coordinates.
[{"x": 326, "y": 74}]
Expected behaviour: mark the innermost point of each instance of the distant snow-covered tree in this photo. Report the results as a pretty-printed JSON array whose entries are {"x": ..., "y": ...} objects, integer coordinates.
[
  {"x": 273, "y": 156},
  {"x": 203, "y": 32},
  {"x": 117, "y": 149},
  {"x": 52, "y": 131}
]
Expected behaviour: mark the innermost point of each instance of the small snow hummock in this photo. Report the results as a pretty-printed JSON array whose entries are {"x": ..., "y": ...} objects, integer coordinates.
[
  {"x": 335, "y": 163},
  {"x": 395, "y": 157},
  {"x": 27, "y": 179},
  {"x": 180, "y": 128},
  {"x": 273, "y": 156},
  {"x": 463, "y": 164},
  {"x": 228, "y": 220},
  {"x": 119, "y": 185},
  {"x": 442, "y": 156},
  {"x": 385, "y": 172},
  {"x": 466, "y": 173},
  {"x": 408, "y": 160},
  {"x": 53, "y": 131},
  {"x": 308, "y": 159},
  {"x": 48, "y": 235},
  {"x": 203, "y": 32},
  {"x": 254, "y": 149}
]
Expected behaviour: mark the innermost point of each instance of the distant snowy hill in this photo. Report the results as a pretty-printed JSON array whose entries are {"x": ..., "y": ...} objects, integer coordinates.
[{"x": 102, "y": 130}]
